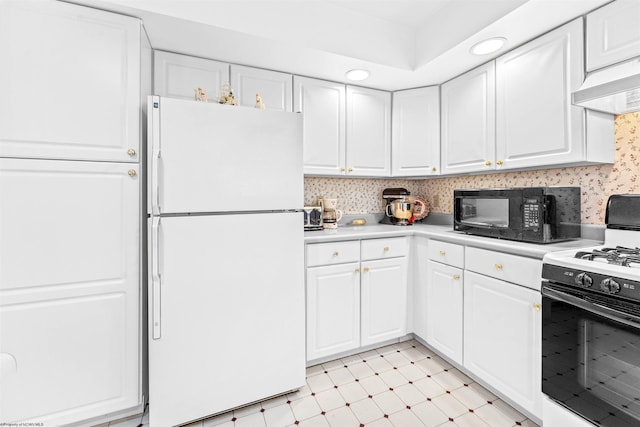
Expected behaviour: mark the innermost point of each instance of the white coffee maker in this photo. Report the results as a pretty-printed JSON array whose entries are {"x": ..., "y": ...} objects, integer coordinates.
[{"x": 330, "y": 212}]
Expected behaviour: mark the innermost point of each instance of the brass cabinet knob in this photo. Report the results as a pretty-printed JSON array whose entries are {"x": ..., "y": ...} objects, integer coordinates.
[
  {"x": 499, "y": 162},
  {"x": 357, "y": 270},
  {"x": 488, "y": 163},
  {"x": 336, "y": 253},
  {"x": 434, "y": 169},
  {"x": 456, "y": 277},
  {"x": 350, "y": 169},
  {"x": 131, "y": 152},
  {"x": 536, "y": 306},
  {"x": 498, "y": 267},
  {"x": 366, "y": 269},
  {"x": 442, "y": 253},
  {"x": 386, "y": 248},
  {"x": 132, "y": 172},
  {"x": 342, "y": 169}
]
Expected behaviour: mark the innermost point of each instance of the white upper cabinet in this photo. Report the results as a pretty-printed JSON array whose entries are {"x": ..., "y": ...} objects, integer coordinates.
[
  {"x": 275, "y": 88},
  {"x": 468, "y": 121},
  {"x": 415, "y": 143},
  {"x": 613, "y": 34},
  {"x": 323, "y": 104},
  {"x": 368, "y": 132},
  {"x": 179, "y": 76},
  {"x": 536, "y": 123},
  {"x": 70, "y": 82}
]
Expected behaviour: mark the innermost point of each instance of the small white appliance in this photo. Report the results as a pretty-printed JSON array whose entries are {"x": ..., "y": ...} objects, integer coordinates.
[{"x": 226, "y": 279}]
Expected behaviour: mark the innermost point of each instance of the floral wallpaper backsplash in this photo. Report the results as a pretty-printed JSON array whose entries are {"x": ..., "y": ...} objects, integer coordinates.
[
  {"x": 355, "y": 195},
  {"x": 360, "y": 196}
]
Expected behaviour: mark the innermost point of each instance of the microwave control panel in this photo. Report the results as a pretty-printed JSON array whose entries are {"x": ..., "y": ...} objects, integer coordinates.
[{"x": 531, "y": 215}]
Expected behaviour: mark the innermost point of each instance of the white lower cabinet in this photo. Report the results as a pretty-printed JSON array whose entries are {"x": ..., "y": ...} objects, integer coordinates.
[
  {"x": 444, "y": 309},
  {"x": 502, "y": 338},
  {"x": 384, "y": 300},
  {"x": 352, "y": 302},
  {"x": 333, "y": 309}
]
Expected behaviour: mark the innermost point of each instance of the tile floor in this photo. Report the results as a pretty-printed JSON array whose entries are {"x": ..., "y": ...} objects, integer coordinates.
[{"x": 401, "y": 385}]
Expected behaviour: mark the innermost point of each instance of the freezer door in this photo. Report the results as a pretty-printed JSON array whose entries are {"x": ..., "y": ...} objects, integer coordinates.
[
  {"x": 230, "y": 313},
  {"x": 221, "y": 158}
]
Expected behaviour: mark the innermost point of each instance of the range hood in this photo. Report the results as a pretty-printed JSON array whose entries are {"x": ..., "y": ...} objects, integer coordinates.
[{"x": 615, "y": 89}]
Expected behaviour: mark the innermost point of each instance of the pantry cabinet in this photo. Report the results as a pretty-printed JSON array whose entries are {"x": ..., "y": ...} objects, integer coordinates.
[
  {"x": 179, "y": 76},
  {"x": 70, "y": 83},
  {"x": 415, "y": 142},
  {"x": 69, "y": 289},
  {"x": 468, "y": 121},
  {"x": 444, "y": 288},
  {"x": 613, "y": 34},
  {"x": 324, "y": 130},
  {"x": 502, "y": 324},
  {"x": 356, "y": 294},
  {"x": 368, "y": 132},
  {"x": 275, "y": 88},
  {"x": 537, "y": 125}
]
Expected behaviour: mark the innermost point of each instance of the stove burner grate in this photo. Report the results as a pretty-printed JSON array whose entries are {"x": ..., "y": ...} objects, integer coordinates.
[{"x": 626, "y": 257}]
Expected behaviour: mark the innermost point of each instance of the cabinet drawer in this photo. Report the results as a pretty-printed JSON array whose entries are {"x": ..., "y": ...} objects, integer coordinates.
[
  {"x": 332, "y": 253},
  {"x": 384, "y": 248},
  {"x": 511, "y": 268},
  {"x": 446, "y": 253}
]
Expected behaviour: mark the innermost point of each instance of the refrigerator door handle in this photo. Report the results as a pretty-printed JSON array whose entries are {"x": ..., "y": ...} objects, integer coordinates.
[
  {"x": 155, "y": 155},
  {"x": 155, "y": 278}
]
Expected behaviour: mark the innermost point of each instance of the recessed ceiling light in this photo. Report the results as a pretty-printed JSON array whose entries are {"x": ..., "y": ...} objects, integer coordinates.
[
  {"x": 357, "y": 75},
  {"x": 488, "y": 46}
]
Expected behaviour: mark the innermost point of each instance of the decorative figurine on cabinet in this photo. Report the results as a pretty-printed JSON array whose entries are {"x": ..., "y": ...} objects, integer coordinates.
[
  {"x": 200, "y": 95},
  {"x": 226, "y": 95},
  {"x": 259, "y": 103}
]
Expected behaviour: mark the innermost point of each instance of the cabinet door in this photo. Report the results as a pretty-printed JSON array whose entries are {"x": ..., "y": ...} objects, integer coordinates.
[
  {"x": 324, "y": 143},
  {"x": 275, "y": 88},
  {"x": 444, "y": 309},
  {"x": 613, "y": 34},
  {"x": 468, "y": 121},
  {"x": 415, "y": 143},
  {"x": 502, "y": 338},
  {"x": 536, "y": 121},
  {"x": 333, "y": 309},
  {"x": 69, "y": 290},
  {"x": 179, "y": 76},
  {"x": 70, "y": 82},
  {"x": 418, "y": 277},
  {"x": 368, "y": 132},
  {"x": 384, "y": 300}
]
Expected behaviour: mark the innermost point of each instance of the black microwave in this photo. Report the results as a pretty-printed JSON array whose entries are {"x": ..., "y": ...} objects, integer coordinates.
[{"x": 528, "y": 214}]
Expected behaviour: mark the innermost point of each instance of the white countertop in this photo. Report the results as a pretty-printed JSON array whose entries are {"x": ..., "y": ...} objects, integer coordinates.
[{"x": 443, "y": 233}]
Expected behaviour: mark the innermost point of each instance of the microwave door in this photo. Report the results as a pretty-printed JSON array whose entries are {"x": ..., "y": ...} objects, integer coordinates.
[{"x": 485, "y": 212}]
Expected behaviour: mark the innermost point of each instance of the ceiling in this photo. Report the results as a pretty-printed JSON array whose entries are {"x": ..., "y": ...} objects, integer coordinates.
[{"x": 403, "y": 43}]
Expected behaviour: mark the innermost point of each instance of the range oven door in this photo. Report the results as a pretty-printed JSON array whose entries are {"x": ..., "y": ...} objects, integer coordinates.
[{"x": 591, "y": 355}]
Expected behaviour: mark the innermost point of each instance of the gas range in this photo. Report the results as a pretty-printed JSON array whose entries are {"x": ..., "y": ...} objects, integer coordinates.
[
  {"x": 613, "y": 268},
  {"x": 591, "y": 322}
]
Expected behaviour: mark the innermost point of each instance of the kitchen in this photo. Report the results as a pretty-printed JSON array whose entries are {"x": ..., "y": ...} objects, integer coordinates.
[{"x": 119, "y": 148}]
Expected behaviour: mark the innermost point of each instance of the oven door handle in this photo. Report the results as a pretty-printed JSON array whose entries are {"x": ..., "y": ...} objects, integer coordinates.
[{"x": 616, "y": 315}]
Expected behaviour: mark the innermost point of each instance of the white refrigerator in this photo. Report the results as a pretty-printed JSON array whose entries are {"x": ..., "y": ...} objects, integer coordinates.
[{"x": 226, "y": 258}]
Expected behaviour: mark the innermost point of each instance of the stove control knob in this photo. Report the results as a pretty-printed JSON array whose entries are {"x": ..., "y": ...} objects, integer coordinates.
[
  {"x": 583, "y": 279},
  {"x": 609, "y": 285}
]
